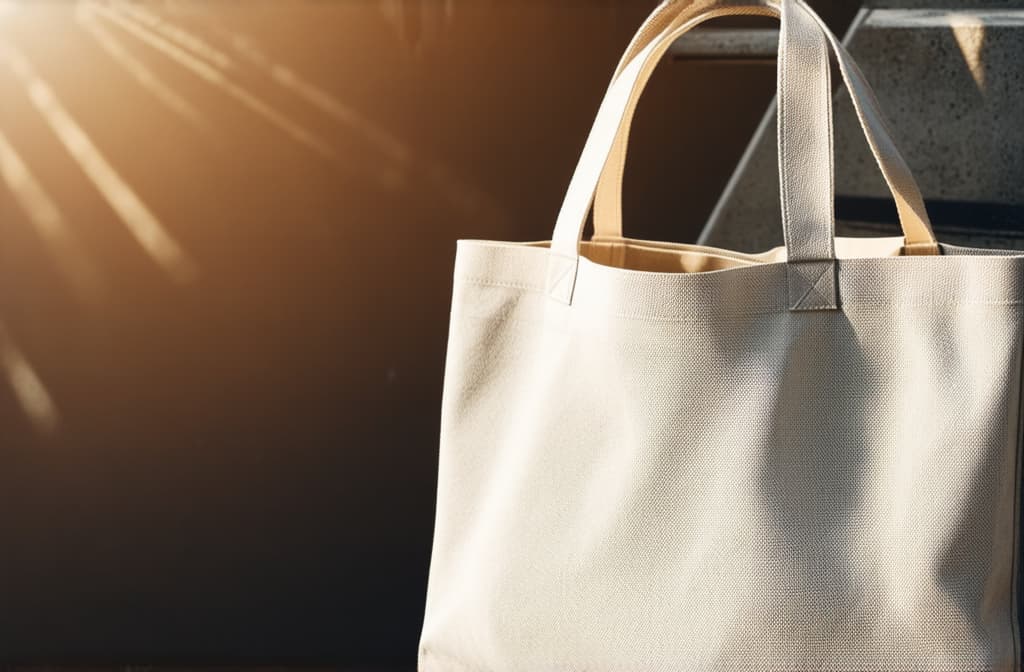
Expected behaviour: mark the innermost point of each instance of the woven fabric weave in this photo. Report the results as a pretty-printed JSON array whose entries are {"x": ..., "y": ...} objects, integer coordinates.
[
  {"x": 685, "y": 475},
  {"x": 647, "y": 470}
]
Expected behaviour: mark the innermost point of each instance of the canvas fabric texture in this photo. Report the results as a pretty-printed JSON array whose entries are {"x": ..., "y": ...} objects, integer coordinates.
[{"x": 666, "y": 457}]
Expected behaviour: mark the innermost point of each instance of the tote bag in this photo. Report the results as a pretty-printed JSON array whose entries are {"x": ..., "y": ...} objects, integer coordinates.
[{"x": 669, "y": 457}]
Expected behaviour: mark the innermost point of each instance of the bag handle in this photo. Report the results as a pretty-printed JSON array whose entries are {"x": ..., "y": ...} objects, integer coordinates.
[
  {"x": 805, "y": 148},
  {"x": 918, "y": 236}
]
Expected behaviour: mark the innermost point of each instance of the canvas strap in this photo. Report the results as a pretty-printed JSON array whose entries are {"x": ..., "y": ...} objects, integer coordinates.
[{"x": 805, "y": 144}]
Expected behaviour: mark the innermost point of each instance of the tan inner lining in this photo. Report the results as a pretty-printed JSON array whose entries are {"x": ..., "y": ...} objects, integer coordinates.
[{"x": 644, "y": 255}]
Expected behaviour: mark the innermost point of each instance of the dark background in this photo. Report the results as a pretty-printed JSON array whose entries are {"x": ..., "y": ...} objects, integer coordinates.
[{"x": 239, "y": 466}]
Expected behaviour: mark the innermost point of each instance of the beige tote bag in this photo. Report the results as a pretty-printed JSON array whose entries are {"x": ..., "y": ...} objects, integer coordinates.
[{"x": 669, "y": 457}]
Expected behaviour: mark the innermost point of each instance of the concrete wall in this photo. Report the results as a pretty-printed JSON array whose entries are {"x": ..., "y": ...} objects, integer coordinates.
[{"x": 952, "y": 85}]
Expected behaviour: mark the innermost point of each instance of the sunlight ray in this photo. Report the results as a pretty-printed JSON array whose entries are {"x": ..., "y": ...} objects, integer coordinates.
[
  {"x": 32, "y": 396},
  {"x": 394, "y": 149},
  {"x": 184, "y": 38},
  {"x": 137, "y": 69},
  {"x": 401, "y": 160},
  {"x": 141, "y": 222},
  {"x": 49, "y": 223},
  {"x": 970, "y": 35},
  {"x": 214, "y": 76}
]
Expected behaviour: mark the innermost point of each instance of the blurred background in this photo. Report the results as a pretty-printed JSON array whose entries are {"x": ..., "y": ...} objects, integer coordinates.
[{"x": 228, "y": 230}]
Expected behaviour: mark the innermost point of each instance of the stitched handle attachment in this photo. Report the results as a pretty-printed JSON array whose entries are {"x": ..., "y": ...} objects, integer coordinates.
[
  {"x": 806, "y": 165},
  {"x": 918, "y": 236}
]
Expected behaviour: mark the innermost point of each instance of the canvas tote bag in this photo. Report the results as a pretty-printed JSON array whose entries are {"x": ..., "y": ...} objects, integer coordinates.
[{"x": 669, "y": 457}]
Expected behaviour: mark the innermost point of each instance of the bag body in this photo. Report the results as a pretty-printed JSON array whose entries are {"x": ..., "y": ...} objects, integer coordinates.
[{"x": 660, "y": 456}]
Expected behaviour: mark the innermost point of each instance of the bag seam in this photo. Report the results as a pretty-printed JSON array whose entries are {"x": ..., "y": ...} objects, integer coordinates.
[
  {"x": 534, "y": 289},
  {"x": 1015, "y": 547}
]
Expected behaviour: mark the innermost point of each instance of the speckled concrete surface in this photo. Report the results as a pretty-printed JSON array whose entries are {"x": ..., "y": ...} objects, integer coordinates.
[
  {"x": 955, "y": 98},
  {"x": 727, "y": 43}
]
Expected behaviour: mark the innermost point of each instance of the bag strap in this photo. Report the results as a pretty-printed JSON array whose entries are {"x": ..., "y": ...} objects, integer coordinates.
[
  {"x": 918, "y": 236},
  {"x": 805, "y": 147}
]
